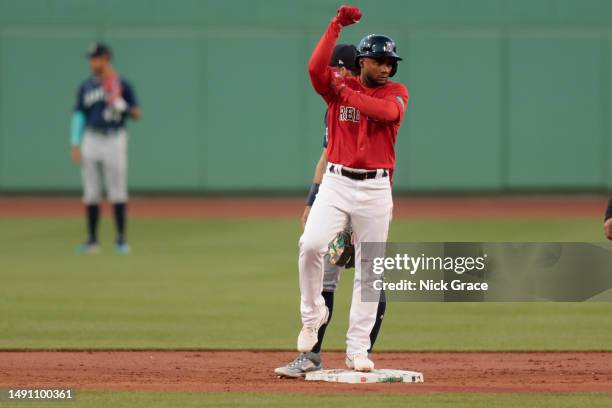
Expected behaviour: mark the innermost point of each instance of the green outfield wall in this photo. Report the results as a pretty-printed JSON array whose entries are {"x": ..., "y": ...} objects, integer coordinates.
[{"x": 505, "y": 94}]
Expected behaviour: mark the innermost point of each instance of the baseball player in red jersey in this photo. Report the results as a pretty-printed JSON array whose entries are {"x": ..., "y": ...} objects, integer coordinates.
[
  {"x": 340, "y": 251},
  {"x": 364, "y": 116}
]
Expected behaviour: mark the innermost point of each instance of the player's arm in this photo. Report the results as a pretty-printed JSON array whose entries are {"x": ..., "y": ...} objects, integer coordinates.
[
  {"x": 316, "y": 182},
  {"x": 77, "y": 128},
  {"x": 389, "y": 108},
  {"x": 318, "y": 67},
  {"x": 608, "y": 221}
]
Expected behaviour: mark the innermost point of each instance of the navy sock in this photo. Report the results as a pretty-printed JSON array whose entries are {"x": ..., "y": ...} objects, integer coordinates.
[
  {"x": 329, "y": 302},
  {"x": 93, "y": 215},
  {"x": 120, "y": 220},
  {"x": 380, "y": 314}
]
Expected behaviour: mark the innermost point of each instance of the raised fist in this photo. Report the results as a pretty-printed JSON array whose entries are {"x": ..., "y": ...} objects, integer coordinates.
[{"x": 347, "y": 15}]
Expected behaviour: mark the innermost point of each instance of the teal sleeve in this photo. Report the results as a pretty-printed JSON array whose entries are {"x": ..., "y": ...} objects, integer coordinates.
[{"x": 77, "y": 126}]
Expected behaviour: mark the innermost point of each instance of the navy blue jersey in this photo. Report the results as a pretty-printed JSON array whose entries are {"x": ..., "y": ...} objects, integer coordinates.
[{"x": 91, "y": 100}]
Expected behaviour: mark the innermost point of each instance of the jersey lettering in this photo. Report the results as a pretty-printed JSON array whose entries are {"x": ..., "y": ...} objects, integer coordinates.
[
  {"x": 349, "y": 114},
  {"x": 92, "y": 96}
]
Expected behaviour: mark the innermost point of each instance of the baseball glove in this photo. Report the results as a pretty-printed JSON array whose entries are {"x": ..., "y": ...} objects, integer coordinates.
[
  {"x": 341, "y": 251},
  {"x": 115, "y": 102}
]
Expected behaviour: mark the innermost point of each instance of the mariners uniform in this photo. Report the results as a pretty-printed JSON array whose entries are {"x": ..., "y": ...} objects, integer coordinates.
[
  {"x": 99, "y": 128},
  {"x": 363, "y": 122}
]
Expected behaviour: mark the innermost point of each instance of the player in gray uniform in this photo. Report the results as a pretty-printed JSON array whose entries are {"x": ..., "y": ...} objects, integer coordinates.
[
  {"x": 99, "y": 143},
  {"x": 344, "y": 59}
]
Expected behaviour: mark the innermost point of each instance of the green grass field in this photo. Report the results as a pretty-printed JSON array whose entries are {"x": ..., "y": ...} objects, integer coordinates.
[
  {"x": 155, "y": 400},
  {"x": 233, "y": 284}
]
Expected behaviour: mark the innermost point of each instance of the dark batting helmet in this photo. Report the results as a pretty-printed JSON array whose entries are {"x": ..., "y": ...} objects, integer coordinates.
[{"x": 378, "y": 46}]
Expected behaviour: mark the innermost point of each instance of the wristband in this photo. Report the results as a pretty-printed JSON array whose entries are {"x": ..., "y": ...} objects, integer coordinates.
[
  {"x": 609, "y": 210},
  {"x": 312, "y": 194}
]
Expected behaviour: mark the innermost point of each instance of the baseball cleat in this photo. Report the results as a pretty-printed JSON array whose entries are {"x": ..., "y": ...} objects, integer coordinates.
[
  {"x": 304, "y": 363},
  {"x": 309, "y": 335},
  {"x": 360, "y": 362},
  {"x": 88, "y": 248},
  {"x": 122, "y": 248}
]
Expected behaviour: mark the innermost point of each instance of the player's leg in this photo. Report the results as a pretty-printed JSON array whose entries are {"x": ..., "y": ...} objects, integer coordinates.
[
  {"x": 327, "y": 216},
  {"x": 370, "y": 221},
  {"x": 91, "y": 178},
  {"x": 311, "y": 361},
  {"x": 380, "y": 314},
  {"x": 115, "y": 168},
  {"x": 331, "y": 275}
]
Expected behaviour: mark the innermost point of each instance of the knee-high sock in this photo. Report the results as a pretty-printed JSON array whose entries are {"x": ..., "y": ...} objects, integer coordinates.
[
  {"x": 329, "y": 302},
  {"x": 380, "y": 314},
  {"x": 93, "y": 215},
  {"x": 120, "y": 220}
]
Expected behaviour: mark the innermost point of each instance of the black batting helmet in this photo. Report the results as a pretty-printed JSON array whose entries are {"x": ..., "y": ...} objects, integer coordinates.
[{"x": 378, "y": 46}]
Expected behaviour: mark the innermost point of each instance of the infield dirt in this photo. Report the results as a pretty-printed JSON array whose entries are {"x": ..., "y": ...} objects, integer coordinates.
[{"x": 252, "y": 371}]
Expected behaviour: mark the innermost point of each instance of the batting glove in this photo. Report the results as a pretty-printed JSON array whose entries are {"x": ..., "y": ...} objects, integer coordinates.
[{"x": 347, "y": 15}]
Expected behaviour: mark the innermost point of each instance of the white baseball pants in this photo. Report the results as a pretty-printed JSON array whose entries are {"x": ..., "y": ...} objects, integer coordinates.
[
  {"x": 367, "y": 205},
  {"x": 104, "y": 158}
]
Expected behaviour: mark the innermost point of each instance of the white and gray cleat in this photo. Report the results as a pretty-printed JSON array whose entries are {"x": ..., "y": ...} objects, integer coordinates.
[{"x": 304, "y": 363}]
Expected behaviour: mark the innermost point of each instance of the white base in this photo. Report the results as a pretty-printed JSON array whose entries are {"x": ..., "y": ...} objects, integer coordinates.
[{"x": 375, "y": 376}]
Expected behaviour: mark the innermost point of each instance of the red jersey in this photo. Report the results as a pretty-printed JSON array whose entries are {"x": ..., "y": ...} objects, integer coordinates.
[{"x": 362, "y": 122}]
